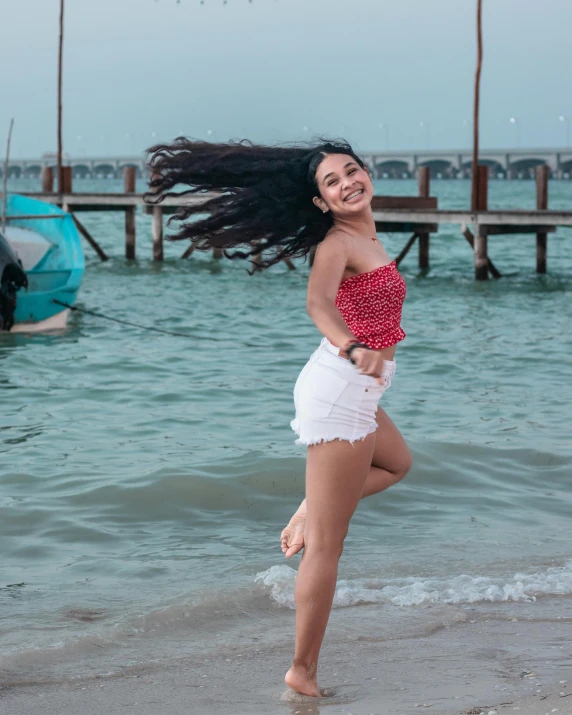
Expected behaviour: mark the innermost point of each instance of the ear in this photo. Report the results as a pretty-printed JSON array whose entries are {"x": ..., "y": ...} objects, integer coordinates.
[{"x": 320, "y": 203}]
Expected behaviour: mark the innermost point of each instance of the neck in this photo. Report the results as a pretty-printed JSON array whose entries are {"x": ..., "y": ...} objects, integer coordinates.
[{"x": 359, "y": 225}]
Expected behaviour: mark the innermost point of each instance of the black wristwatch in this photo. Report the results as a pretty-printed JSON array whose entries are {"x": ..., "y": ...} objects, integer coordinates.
[{"x": 352, "y": 347}]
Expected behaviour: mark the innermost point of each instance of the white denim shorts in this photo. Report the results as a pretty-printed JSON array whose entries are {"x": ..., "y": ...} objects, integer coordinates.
[{"x": 334, "y": 400}]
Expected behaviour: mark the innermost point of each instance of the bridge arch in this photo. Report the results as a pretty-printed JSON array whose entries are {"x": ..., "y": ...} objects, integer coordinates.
[
  {"x": 566, "y": 169},
  {"x": 81, "y": 171},
  {"x": 33, "y": 171},
  {"x": 438, "y": 168},
  {"x": 392, "y": 169},
  {"x": 496, "y": 169},
  {"x": 14, "y": 172},
  {"x": 525, "y": 168},
  {"x": 104, "y": 171}
]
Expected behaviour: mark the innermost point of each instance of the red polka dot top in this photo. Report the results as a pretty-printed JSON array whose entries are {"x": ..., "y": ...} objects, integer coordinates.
[{"x": 371, "y": 303}]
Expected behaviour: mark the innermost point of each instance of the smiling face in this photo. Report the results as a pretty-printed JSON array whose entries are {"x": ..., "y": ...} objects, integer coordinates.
[{"x": 345, "y": 188}]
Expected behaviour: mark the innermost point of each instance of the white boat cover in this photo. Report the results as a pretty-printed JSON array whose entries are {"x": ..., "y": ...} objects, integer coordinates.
[{"x": 30, "y": 246}]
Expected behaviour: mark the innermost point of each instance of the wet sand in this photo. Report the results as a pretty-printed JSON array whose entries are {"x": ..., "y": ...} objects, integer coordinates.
[{"x": 489, "y": 663}]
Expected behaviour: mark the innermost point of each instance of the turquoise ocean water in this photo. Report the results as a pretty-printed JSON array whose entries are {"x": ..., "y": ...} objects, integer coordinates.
[{"x": 145, "y": 478}]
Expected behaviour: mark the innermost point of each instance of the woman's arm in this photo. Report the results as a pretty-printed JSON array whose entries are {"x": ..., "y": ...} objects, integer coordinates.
[
  {"x": 327, "y": 272},
  {"x": 329, "y": 265}
]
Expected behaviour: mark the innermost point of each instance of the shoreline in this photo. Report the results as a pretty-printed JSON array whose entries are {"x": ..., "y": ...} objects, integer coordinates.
[{"x": 492, "y": 662}]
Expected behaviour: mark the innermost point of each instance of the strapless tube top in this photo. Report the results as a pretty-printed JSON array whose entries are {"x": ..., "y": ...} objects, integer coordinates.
[{"x": 371, "y": 304}]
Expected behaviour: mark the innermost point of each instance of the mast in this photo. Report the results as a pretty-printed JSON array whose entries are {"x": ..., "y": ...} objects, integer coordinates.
[
  {"x": 60, "y": 66},
  {"x": 475, "y": 167}
]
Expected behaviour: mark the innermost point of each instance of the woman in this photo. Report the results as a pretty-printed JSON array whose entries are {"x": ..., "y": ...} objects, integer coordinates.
[{"x": 279, "y": 202}]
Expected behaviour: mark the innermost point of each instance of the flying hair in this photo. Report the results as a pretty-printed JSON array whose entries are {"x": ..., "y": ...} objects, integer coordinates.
[{"x": 260, "y": 197}]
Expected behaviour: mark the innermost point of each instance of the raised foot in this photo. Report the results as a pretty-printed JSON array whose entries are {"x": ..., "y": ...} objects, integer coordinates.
[
  {"x": 292, "y": 537},
  {"x": 297, "y": 679}
]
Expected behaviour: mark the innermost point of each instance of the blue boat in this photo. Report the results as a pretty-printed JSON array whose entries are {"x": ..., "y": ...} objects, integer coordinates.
[{"x": 48, "y": 250}]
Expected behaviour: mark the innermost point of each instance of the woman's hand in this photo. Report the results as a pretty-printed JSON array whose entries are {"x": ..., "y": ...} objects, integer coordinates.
[{"x": 368, "y": 362}]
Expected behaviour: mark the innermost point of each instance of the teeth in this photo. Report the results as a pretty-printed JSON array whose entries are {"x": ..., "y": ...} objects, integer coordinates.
[{"x": 355, "y": 193}]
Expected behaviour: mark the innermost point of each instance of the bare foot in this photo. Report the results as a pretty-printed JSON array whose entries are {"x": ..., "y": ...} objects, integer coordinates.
[
  {"x": 298, "y": 678},
  {"x": 292, "y": 537}
]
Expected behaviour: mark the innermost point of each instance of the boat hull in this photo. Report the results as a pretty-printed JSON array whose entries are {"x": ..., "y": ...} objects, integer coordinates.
[
  {"x": 57, "y": 322},
  {"x": 56, "y": 278}
]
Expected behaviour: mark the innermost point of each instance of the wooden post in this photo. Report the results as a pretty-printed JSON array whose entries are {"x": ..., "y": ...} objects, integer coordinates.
[
  {"x": 188, "y": 252},
  {"x": 129, "y": 179},
  {"x": 47, "y": 179},
  {"x": 542, "y": 204},
  {"x": 61, "y": 179},
  {"x": 88, "y": 237},
  {"x": 481, "y": 260},
  {"x": 481, "y": 238},
  {"x": 476, "y": 103},
  {"x": 157, "y": 228},
  {"x": 424, "y": 177},
  {"x": 405, "y": 249},
  {"x": 5, "y": 182},
  {"x": 66, "y": 184},
  {"x": 483, "y": 185},
  {"x": 257, "y": 260},
  {"x": 471, "y": 241},
  {"x": 157, "y": 231}
]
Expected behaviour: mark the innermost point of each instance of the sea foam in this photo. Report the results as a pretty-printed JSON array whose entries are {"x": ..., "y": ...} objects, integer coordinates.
[{"x": 413, "y": 591}]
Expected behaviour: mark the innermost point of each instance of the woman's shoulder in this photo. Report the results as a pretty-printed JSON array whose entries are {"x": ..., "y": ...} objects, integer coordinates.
[
  {"x": 332, "y": 250},
  {"x": 337, "y": 236},
  {"x": 341, "y": 241},
  {"x": 335, "y": 241}
]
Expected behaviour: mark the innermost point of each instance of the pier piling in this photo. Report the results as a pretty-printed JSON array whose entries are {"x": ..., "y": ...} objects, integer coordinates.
[
  {"x": 188, "y": 252},
  {"x": 541, "y": 204},
  {"x": 89, "y": 238},
  {"x": 424, "y": 178},
  {"x": 129, "y": 179},
  {"x": 47, "y": 179},
  {"x": 481, "y": 237},
  {"x": 157, "y": 232},
  {"x": 67, "y": 180},
  {"x": 405, "y": 250},
  {"x": 156, "y": 211}
]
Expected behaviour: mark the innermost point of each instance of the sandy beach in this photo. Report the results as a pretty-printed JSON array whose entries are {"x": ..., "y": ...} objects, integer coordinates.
[{"x": 489, "y": 662}]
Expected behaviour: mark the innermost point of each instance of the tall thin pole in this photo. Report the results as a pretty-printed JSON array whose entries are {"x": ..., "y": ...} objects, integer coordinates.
[
  {"x": 6, "y": 165},
  {"x": 60, "y": 67},
  {"x": 475, "y": 170}
]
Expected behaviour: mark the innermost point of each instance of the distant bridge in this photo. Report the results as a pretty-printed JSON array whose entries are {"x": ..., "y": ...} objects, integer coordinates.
[
  {"x": 503, "y": 163},
  {"x": 83, "y": 167}
]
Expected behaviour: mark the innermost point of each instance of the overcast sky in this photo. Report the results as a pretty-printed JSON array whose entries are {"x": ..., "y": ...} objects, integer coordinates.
[{"x": 137, "y": 71}]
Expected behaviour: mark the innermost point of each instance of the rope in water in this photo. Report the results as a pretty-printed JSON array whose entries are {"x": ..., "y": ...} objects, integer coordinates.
[{"x": 130, "y": 324}]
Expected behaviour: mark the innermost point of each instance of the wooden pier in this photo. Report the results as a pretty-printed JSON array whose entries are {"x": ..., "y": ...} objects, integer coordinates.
[{"x": 418, "y": 215}]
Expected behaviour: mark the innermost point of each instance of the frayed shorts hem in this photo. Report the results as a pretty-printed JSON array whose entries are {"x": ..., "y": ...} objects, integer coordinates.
[{"x": 310, "y": 441}]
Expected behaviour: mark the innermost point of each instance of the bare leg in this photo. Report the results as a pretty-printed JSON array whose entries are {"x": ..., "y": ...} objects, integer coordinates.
[
  {"x": 335, "y": 475},
  {"x": 390, "y": 463}
]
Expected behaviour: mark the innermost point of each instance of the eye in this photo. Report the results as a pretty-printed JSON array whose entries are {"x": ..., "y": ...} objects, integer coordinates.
[
  {"x": 331, "y": 183},
  {"x": 352, "y": 171}
]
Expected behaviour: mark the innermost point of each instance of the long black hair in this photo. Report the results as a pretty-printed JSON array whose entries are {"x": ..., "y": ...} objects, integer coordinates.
[{"x": 262, "y": 194}]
